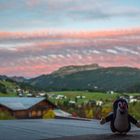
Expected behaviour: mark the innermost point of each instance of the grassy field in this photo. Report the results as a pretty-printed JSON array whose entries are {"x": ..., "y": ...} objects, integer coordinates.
[
  {"x": 8, "y": 94},
  {"x": 107, "y": 99},
  {"x": 92, "y": 95},
  {"x": 88, "y": 95},
  {"x": 9, "y": 87}
]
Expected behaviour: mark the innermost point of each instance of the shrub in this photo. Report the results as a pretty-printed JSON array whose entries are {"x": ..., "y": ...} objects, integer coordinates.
[
  {"x": 49, "y": 114},
  {"x": 134, "y": 109},
  {"x": 2, "y": 88},
  {"x": 4, "y": 115}
]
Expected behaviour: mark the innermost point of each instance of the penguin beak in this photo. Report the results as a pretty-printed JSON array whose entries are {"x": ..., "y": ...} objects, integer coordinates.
[
  {"x": 122, "y": 111},
  {"x": 122, "y": 108}
]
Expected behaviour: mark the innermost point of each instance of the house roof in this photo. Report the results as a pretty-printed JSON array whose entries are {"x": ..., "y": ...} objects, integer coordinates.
[
  {"x": 19, "y": 103},
  {"x": 61, "y": 113}
]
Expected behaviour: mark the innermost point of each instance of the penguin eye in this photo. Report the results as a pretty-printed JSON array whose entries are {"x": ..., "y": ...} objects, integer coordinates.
[
  {"x": 124, "y": 104},
  {"x": 120, "y": 104}
]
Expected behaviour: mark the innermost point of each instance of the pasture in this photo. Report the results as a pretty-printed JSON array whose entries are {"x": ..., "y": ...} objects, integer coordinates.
[{"x": 73, "y": 101}]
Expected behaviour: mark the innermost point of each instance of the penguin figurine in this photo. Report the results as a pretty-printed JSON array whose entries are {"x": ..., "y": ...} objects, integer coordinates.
[{"x": 120, "y": 120}]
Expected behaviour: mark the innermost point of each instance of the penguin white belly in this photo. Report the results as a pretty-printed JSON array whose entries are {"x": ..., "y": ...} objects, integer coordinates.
[{"x": 121, "y": 123}]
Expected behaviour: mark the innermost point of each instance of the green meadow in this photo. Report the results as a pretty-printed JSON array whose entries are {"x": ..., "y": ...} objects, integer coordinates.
[
  {"x": 88, "y": 95},
  {"x": 107, "y": 99}
]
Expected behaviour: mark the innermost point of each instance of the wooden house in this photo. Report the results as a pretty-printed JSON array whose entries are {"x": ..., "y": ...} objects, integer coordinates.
[{"x": 25, "y": 107}]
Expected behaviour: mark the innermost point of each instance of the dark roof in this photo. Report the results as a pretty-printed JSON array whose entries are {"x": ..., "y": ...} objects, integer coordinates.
[{"x": 19, "y": 103}]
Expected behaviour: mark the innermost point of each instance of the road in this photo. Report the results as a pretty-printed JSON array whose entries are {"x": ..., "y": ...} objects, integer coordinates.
[{"x": 59, "y": 129}]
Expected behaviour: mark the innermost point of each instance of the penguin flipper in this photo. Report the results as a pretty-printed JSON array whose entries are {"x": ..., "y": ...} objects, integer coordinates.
[
  {"x": 109, "y": 117},
  {"x": 132, "y": 119}
]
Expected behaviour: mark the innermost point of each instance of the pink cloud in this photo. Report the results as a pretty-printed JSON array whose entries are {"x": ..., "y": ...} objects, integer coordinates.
[
  {"x": 38, "y": 68},
  {"x": 35, "y": 53},
  {"x": 70, "y": 34}
]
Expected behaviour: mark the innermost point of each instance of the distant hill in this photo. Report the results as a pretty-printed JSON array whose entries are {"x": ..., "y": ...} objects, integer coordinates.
[
  {"x": 9, "y": 86},
  {"x": 3, "y": 77},
  {"x": 90, "y": 77},
  {"x": 74, "y": 69},
  {"x": 18, "y": 79}
]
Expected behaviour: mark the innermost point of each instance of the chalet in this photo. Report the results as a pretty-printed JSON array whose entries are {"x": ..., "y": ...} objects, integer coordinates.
[{"x": 25, "y": 107}]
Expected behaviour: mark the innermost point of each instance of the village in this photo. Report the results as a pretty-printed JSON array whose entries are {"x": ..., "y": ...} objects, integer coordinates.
[
  {"x": 31, "y": 104},
  {"x": 92, "y": 107}
]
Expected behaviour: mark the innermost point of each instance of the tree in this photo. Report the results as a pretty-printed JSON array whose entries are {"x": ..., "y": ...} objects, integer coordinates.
[{"x": 2, "y": 88}]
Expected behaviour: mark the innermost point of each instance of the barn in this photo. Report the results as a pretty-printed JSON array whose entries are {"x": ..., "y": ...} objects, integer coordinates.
[{"x": 25, "y": 107}]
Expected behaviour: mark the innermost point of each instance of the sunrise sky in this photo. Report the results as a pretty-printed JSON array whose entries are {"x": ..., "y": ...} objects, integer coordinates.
[{"x": 39, "y": 36}]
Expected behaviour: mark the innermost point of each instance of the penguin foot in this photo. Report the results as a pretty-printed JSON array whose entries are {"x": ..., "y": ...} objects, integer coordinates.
[
  {"x": 123, "y": 133},
  {"x": 120, "y": 133}
]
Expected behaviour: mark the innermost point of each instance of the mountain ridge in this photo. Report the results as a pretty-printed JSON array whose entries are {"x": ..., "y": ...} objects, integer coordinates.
[
  {"x": 86, "y": 77},
  {"x": 66, "y": 70},
  {"x": 119, "y": 79}
]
